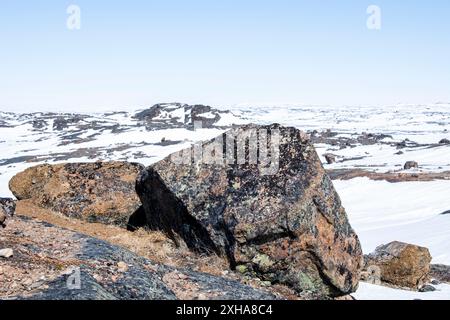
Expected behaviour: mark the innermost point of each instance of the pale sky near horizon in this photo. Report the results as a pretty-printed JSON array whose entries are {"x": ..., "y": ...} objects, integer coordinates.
[{"x": 136, "y": 53}]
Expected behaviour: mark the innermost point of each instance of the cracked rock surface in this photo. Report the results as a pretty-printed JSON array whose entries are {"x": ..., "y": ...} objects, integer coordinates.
[{"x": 288, "y": 227}]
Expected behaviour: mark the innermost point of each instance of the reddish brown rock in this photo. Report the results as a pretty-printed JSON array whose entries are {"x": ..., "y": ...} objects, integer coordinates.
[
  {"x": 401, "y": 264},
  {"x": 95, "y": 192},
  {"x": 284, "y": 226}
]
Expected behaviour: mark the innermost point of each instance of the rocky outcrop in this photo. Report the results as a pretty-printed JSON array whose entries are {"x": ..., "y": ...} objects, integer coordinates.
[
  {"x": 400, "y": 264},
  {"x": 7, "y": 208},
  {"x": 285, "y": 224},
  {"x": 440, "y": 273},
  {"x": 95, "y": 192},
  {"x": 178, "y": 115},
  {"x": 53, "y": 263}
]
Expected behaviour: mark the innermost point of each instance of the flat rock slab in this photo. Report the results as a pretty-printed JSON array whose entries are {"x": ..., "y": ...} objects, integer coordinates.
[
  {"x": 52, "y": 263},
  {"x": 95, "y": 192},
  {"x": 276, "y": 217}
]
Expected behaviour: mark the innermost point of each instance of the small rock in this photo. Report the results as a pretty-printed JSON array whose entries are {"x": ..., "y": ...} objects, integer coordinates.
[
  {"x": 331, "y": 158},
  {"x": 435, "y": 282},
  {"x": 399, "y": 153},
  {"x": 6, "y": 253},
  {"x": 445, "y": 212},
  {"x": 427, "y": 288},
  {"x": 444, "y": 141},
  {"x": 123, "y": 267},
  {"x": 411, "y": 165},
  {"x": 7, "y": 208}
]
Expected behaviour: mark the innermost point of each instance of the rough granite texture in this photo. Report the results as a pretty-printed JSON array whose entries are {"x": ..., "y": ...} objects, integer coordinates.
[
  {"x": 95, "y": 192},
  {"x": 46, "y": 255},
  {"x": 288, "y": 227}
]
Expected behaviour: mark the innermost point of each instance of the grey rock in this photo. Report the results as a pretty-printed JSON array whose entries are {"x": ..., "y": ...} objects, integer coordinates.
[
  {"x": 7, "y": 209},
  {"x": 427, "y": 288},
  {"x": 411, "y": 165},
  {"x": 440, "y": 273},
  {"x": 330, "y": 158}
]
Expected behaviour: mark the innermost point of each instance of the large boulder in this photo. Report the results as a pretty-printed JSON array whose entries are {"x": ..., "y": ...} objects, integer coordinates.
[
  {"x": 400, "y": 264},
  {"x": 272, "y": 210},
  {"x": 65, "y": 265},
  {"x": 95, "y": 192}
]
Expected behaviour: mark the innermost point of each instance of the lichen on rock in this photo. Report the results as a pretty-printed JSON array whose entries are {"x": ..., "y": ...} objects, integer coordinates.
[
  {"x": 95, "y": 192},
  {"x": 287, "y": 226}
]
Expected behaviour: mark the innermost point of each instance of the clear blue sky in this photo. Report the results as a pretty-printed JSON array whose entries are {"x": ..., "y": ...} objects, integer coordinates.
[{"x": 134, "y": 53}]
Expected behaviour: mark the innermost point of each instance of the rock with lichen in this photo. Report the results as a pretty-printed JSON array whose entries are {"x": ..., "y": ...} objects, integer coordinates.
[
  {"x": 96, "y": 192},
  {"x": 7, "y": 209},
  {"x": 276, "y": 217}
]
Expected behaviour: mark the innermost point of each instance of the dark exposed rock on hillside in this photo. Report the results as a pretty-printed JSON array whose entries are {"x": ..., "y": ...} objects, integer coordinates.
[
  {"x": 400, "y": 264},
  {"x": 440, "y": 273},
  {"x": 53, "y": 263},
  {"x": 285, "y": 225},
  {"x": 411, "y": 165},
  {"x": 95, "y": 192},
  {"x": 169, "y": 115}
]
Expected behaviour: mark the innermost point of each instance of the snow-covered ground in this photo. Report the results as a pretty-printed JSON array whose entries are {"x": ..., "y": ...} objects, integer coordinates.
[
  {"x": 379, "y": 211},
  {"x": 368, "y": 291}
]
